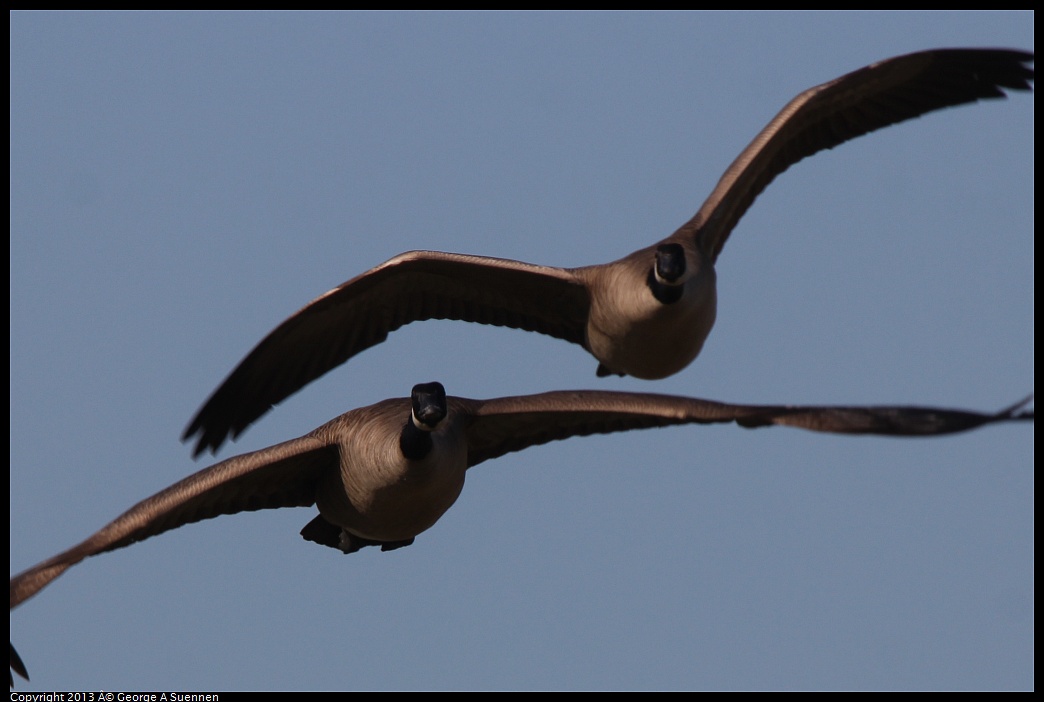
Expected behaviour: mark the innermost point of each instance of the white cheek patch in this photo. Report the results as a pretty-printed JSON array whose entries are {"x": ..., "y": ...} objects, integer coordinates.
[
  {"x": 670, "y": 283},
  {"x": 419, "y": 424}
]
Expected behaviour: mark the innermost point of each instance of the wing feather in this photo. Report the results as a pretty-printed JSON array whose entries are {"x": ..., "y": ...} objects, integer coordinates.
[
  {"x": 879, "y": 95},
  {"x": 284, "y": 475},
  {"x": 352, "y": 317},
  {"x": 513, "y": 423}
]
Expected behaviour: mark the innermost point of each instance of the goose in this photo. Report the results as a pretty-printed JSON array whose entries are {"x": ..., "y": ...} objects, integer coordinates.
[
  {"x": 380, "y": 475},
  {"x": 645, "y": 315}
]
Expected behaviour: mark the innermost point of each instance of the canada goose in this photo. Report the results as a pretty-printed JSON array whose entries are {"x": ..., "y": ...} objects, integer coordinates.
[
  {"x": 647, "y": 314},
  {"x": 381, "y": 475}
]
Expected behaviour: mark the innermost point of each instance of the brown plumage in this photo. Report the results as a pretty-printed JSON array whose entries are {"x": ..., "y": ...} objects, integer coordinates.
[
  {"x": 370, "y": 494},
  {"x": 645, "y": 315}
]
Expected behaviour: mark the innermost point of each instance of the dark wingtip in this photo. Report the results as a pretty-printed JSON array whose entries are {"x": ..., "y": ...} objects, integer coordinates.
[
  {"x": 203, "y": 443},
  {"x": 17, "y": 666},
  {"x": 1013, "y": 412},
  {"x": 218, "y": 421},
  {"x": 206, "y": 440},
  {"x": 191, "y": 431}
]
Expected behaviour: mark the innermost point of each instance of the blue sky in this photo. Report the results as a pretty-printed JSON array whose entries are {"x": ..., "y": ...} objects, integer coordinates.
[{"x": 180, "y": 183}]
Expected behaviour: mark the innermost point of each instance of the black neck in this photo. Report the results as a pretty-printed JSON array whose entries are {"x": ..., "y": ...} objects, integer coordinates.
[
  {"x": 414, "y": 443},
  {"x": 667, "y": 294}
]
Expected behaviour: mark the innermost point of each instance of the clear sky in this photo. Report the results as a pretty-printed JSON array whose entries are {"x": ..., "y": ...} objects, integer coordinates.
[{"x": 180, "y": 183}]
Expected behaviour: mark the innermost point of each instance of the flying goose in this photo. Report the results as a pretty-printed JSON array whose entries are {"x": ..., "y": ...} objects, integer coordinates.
[
  {"x": 645, "y": 315},
  {"x": 381, "y": 475}
]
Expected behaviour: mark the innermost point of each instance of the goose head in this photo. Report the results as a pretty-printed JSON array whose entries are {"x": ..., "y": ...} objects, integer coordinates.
[
  {"x": 667, "y": 276},
  {"x": 428, "y": 401}
]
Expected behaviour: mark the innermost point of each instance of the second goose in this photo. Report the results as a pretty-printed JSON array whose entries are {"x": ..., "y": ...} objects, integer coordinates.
[{"x": 647, "y": 314}]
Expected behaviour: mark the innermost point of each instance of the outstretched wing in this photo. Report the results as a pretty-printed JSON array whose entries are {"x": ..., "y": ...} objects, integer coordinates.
[
  {"x": 855, "y": 104},
  {"x": 283, "y": 475},
  {"x": 351, "y": 318},
  {"x": 511, "y": 424}
]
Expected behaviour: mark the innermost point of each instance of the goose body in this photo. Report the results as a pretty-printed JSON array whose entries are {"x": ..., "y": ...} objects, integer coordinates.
[
  {"x": 379, "y": 495},
  {"x": 381, "y": 475},
  {"x": 646, "y": 314}
]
